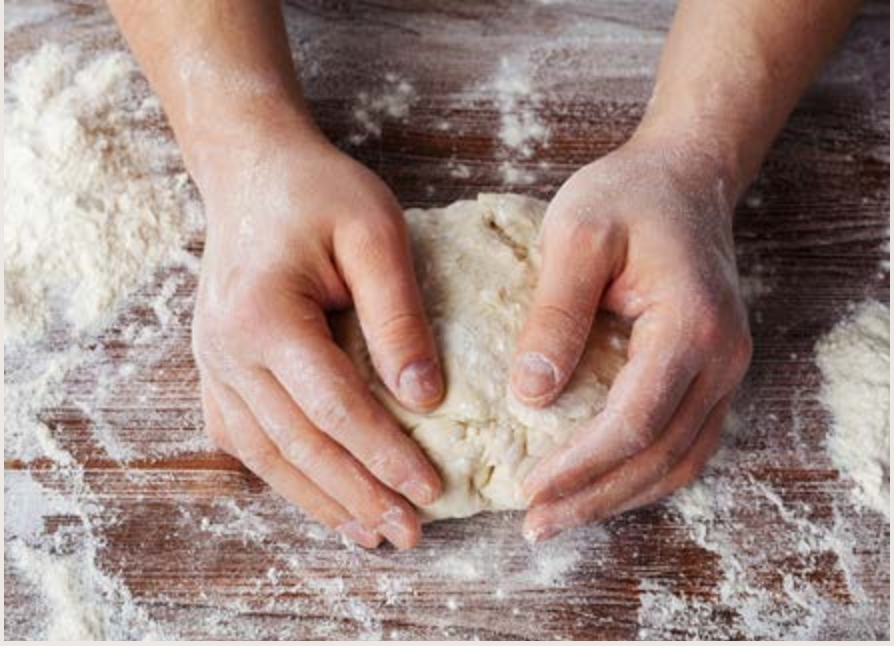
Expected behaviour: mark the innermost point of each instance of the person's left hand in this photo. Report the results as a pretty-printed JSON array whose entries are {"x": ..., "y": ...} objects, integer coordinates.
[{"x": 645, "y": 232}]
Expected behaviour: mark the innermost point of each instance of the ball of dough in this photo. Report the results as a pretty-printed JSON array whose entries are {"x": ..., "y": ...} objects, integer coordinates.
[{"x": 477, "y": 264}]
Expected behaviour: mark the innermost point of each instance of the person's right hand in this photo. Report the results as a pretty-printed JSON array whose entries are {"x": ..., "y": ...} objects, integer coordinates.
[{"x": 296, "y": 228}]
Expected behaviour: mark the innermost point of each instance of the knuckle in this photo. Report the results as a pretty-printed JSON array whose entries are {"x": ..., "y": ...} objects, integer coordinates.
[
  {"x": 710, "y": 330},
  {"x": 259, "y": 458},
  {"x": 561, "y": 323},
  {"x": 387, "y": 465},
  {"x": 246, "y": 315},
  {"x": 230, "y": 327},
  {"x": 585, "y": 231},
  {"x": 401, "y": 329},
  {"x": 638, "y": 440},
  {"x": 329, "y": 413},
  {"x": 304, "y": 453},
  {"x": 378, "y": 237}
]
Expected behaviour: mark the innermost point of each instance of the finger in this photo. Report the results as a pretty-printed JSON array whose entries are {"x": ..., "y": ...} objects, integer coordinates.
[
  {"x": 325, "y": 385},
  {"x": 646, "y": 393},
  {"x": 654, "y": 470},
  {"x": 580, "y": 256},
  {"x": 377, "y": 267},
  {"x": 263, "y": 458},
  {"x": 327, "y": 464},
  {"x": 215, "y": 428},
  {"x": 685, "y": 471}
]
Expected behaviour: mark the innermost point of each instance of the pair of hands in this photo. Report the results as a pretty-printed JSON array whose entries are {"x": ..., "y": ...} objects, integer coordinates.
[{"x": 297, "y": 228}]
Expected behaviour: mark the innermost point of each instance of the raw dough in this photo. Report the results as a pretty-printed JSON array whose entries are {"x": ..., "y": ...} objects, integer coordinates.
[{"x": 477, "y": 264}]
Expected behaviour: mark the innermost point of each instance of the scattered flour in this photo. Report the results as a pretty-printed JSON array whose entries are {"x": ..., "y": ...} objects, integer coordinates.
[
  {"x": 855, "y": 362},
  {"x": 522, "y": 131},
  {"x": 513, "y": 174},
  {"x": 91, "y": 206},
  {"x": 82, "y": 602},
  {"x": 458, "y": 170},
  {"x": 521, "y": 128},
  {"x": 549, "y": 564},
  {"x": 778, "y": 589},
  {"x": 391, "y": 103},
  {"x": 754, "y": 285},
  {"x": 95, "y": 203},
  {"x": 28, "y": 392}
]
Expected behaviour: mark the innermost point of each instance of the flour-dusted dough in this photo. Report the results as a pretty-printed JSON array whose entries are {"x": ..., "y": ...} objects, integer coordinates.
[{"x": 477, "y": 264}]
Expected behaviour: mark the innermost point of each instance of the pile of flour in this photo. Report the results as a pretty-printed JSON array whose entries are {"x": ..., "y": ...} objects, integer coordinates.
[
  {"x": 95, "y": 202},
  {"x": 91, "y": 204},
  {"x": 855, "y": 361}
]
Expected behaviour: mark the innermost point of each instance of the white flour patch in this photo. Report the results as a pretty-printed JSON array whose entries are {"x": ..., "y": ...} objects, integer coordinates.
[
  {"x": 755, "y": 285},
  {"x": 521, "y": 128},
  {"x": 29, "y": 390},
  {"x": 29, "y": 505},
  {"x": 51, "y": 542},
  {"x": 391, "y": 102},
  {"x": 522, "y": 131},
  {"x": 549, "y": 565},
  {"x": 95, "y": 203},
  {"x": 91, "y": 205},
  {"x": 514, "y": 175},
  {"x": 855, "y": 361},
  {"x": 81, "y": 601},
  {"x": 458, "y": 170}
]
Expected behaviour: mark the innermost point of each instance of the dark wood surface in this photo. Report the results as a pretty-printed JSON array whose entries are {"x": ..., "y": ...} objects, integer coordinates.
[{"x": 205, "y": 550}]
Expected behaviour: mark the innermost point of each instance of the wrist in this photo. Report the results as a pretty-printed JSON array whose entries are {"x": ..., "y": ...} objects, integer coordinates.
[
  {"x": 700, "y": 155},
  {"x": 235, "y": 136}
]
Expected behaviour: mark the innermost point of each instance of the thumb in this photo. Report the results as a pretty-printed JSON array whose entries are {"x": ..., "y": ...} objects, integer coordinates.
[
  {"x": 378, "y": 268},
  {"x": 580, "y": 256}
]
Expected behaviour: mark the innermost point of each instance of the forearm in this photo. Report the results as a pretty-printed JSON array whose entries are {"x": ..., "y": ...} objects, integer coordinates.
[
  {"x": 219, "y": 67},
  {"x": 732, "y": 71}
]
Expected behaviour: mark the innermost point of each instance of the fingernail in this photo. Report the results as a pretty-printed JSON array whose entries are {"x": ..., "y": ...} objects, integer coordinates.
[
  {"x": 536, "y": 375},
  {"x": 539, "y": 534},
  {"x": 421, "y": 382},
  {"x": 418, "y": 491},
  {"x": 393, "y": 526},
  {"x": 359, "y": 534}
]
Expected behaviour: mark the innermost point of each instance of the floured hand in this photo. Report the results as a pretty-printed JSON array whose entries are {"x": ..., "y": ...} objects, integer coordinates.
[
  {"x": 295, "y": 229},
  {"x": 645, "y": 232}
]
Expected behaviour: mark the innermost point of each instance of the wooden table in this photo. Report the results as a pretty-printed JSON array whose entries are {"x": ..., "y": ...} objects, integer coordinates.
[{"x": 195, "y": 547}]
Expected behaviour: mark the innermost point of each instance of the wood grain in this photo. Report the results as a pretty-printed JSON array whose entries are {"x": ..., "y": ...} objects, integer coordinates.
[{"x": 207, "y": 551}]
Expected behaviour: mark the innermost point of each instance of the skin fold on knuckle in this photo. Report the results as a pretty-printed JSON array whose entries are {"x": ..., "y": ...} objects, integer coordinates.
[
  {"x": 330, "y": 411},
  {"x": 309, "y": 455},
  {"x": 552, "y": 324},
  {"x": 402, "y": 339},
  {"x": 259, "y": 458},
  {"x": 392, "y": 466}
]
